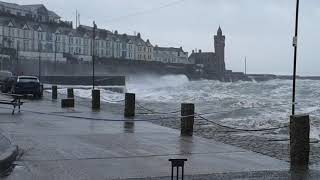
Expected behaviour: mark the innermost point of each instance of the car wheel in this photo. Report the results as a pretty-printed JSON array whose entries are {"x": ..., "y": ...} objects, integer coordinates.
[{"x": 37, "y": 96}]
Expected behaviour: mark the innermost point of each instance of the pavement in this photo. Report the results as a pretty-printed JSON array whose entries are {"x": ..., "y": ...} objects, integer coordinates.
[{"x": 69, "y": 144}]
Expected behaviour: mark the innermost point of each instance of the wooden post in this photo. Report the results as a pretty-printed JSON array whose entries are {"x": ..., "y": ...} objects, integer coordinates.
[
  {"x": 95, "y": 99},
  {"x": 54, "y": 92},
  {"x": 70, "y": 93},
  {"x": 299, "y": 141},
  {"x": 187, "y": 119},
  {"x": 129, "y": 109}
]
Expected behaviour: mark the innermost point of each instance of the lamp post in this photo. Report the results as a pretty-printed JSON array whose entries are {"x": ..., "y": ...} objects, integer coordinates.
[
  {"x": 39, "y": 60},
  {"x": 295, "y": 44},
  {"x": 245, "y": 65},
  {"x": 55, "y": 52},
  {"x": 93, "y": 53},
  {"x": 18, "y": 66}
]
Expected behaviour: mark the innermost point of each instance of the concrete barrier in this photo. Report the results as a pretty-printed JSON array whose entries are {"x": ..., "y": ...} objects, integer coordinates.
[
  {"x": 299, "y": 141},
  {"x": 70, "y": 93},
  {"x": 129, "y": 108},
  {"x": 187, "y": 119},
  {"x": 95, "y": 99},
  {"x": 54, "y": 92},
  {"x": 67, "y": 103}
]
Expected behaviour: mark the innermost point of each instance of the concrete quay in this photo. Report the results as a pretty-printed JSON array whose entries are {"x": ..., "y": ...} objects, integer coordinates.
[{"x": 69, "y": 144}]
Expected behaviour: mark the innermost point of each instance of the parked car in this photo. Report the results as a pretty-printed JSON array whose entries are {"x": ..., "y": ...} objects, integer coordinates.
[
  {"x": 27, "y": 85},
  {"x": 4, "y": 75},
  {"x": 7, "y": 84}
]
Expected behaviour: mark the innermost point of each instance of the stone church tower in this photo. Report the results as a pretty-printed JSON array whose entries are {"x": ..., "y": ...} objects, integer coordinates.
[{"x": 219, "y": 46}]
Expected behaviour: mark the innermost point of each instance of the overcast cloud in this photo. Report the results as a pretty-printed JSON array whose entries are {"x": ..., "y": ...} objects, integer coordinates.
[{"x": 262, "y": 30}]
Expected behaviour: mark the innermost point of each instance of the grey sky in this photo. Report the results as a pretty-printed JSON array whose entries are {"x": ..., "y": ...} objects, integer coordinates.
[{"x": 262, "y": 30}]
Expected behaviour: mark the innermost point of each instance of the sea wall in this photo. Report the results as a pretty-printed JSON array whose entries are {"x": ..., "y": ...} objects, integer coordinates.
[{"x": 85, "y": 80}]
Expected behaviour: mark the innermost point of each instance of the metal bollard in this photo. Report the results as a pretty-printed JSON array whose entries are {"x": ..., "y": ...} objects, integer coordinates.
[
  {"x": 95, "y": 99},
  {"x": 129, "y": 108},
  {"x": 299, "y": 141},
  {"x": 187, "y": 119},
  {"x": 67, "y": 103},
  {"x": 54, "y": 92},
  {"x": 70, "y": 93}
]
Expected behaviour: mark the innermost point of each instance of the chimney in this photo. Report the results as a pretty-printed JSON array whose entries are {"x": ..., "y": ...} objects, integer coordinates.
[
  {"x": 192, "y": 51},
  {"x": 139, "y": 35},
  {"x": 116, "y": 32},
  {"x": 200, "y": 51}
]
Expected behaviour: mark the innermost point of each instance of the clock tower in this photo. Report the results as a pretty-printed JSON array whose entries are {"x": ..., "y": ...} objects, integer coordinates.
[{"x": 219, "y": 46}]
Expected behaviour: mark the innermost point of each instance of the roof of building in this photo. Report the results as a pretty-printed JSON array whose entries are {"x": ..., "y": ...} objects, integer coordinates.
[
  {"x": 203, "y": 55},
  {"x": 20, "y": 23},
  {"x": 51, "y": 13},
  {"x": 172, "y": 49},
  {"x": 31, "y": 8},
  {"x": 34, "y": 7},
  {"x": 11, "y": 5}
]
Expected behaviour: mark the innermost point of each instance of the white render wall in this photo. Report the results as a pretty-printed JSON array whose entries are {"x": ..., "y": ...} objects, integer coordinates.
[
  {"x": 43, "y": 56},
  {"x": 171, "y": 57}
]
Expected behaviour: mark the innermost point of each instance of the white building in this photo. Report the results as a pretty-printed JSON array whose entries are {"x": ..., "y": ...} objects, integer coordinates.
[
  {"x": 37, "y": 32},
  {"x": 32, "y": 40},
  {"x": 171, "y": 55}
]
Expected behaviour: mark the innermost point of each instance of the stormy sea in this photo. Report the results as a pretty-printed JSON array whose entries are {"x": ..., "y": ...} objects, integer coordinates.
[{"x": 245, "y": 105}]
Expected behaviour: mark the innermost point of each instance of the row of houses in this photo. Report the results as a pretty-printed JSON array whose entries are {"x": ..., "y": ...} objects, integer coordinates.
[{"x": 40, "y": 34}]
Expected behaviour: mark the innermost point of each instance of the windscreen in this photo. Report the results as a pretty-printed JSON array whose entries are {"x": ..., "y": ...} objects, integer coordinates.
[{"x": 28, "y": 79}]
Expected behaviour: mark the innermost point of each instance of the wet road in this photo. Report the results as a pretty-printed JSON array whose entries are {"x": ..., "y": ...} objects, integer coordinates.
[{"x": 59, "y": 147}]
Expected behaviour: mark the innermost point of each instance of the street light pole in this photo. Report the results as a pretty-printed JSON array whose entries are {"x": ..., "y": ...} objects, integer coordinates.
[
  {"x": 39, "y": 60},
  {"x": 295, "y": 44},
  {"x": 17, "y": 67},
  {"x": 55, "y": 53},
  {"x": 93, "y": 53},
  {"x": 245, "y": 65}
]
